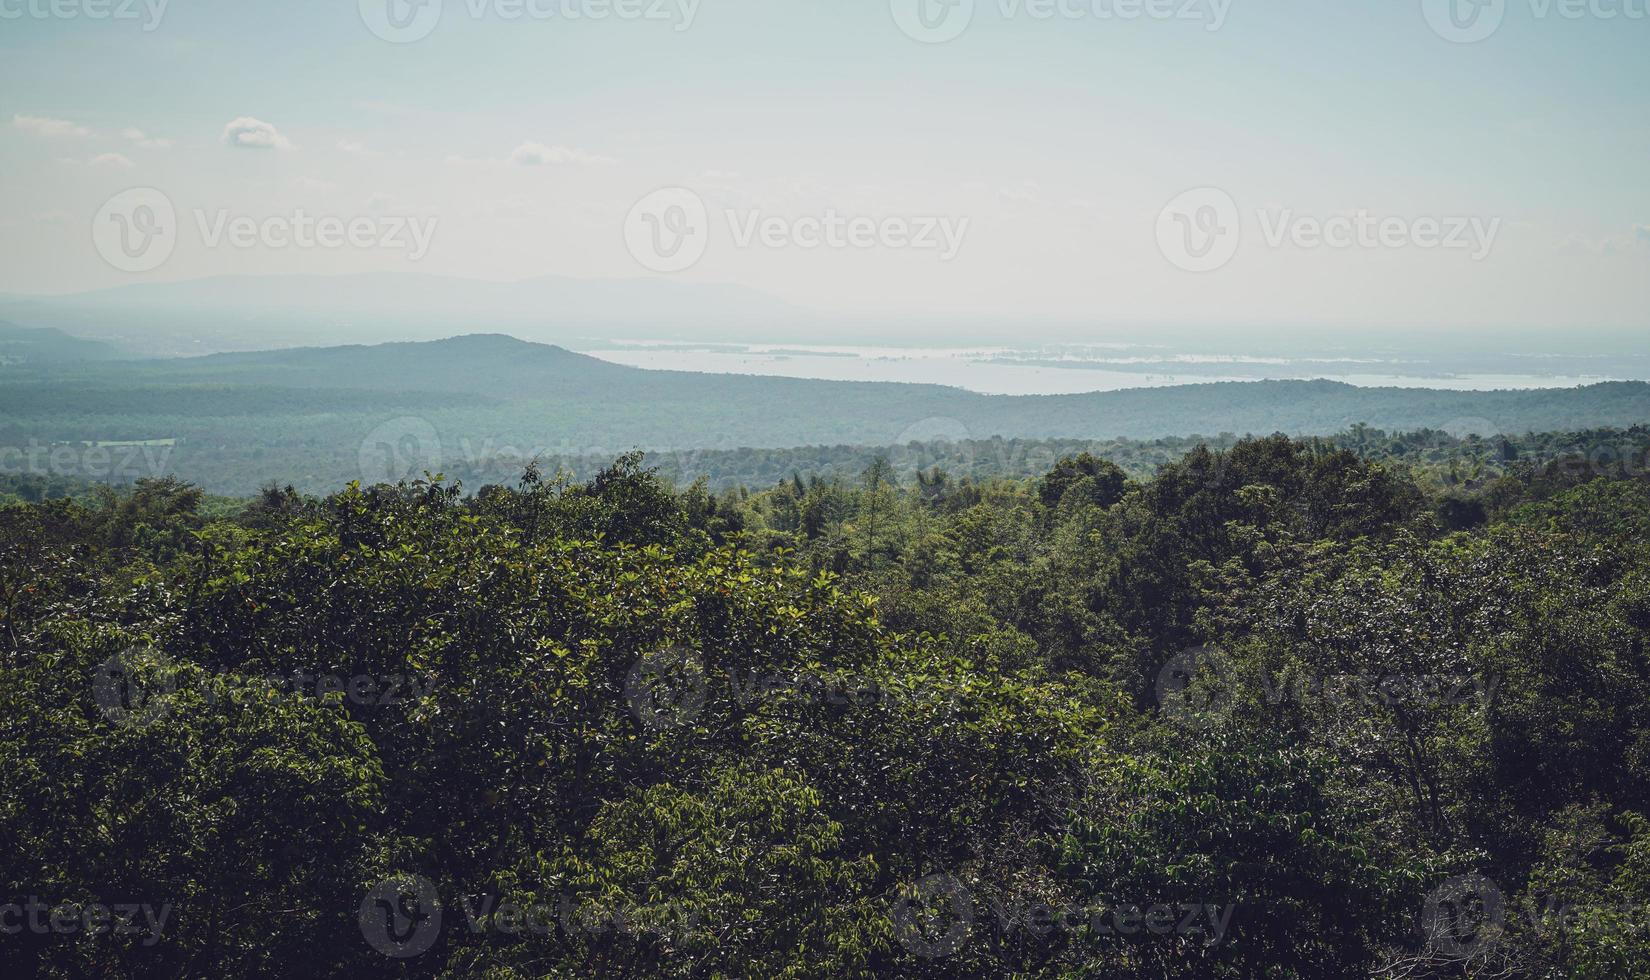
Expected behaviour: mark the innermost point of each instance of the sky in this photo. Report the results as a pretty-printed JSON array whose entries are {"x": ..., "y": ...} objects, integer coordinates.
[{"x": 1244, "y": 162}]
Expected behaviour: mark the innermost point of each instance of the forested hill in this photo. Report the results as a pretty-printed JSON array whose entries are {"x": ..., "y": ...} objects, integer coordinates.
[
  {"x": 494, "y": 368},
  {"x": 491, "y": 365},
  {"x": 303, "y": 416},
  {"x": 35, "y": 345}
]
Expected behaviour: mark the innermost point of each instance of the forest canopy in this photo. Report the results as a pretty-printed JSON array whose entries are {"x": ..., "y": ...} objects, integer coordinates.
[{"x": 1275, "y": 708}]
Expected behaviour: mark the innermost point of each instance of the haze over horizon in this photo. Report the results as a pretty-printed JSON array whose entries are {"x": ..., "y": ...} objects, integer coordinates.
[
  {"x": 678, "y": 323},
  {"x": 1039, "y": 157}
]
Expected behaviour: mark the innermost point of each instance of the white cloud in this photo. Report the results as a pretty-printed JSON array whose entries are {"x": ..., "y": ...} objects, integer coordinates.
[
  {"x": 36, "y": 220},
  {"x": 147, "y": 142},
  {"x": 379, "y": 105},
  {"x": 110, "y": 160},
  {"x": 1576, "y": 244},
  {"x": 316, "y": 185},
  {"x": 381, "y": 203},
  {"x": 355, "y": 147},
  {"x": 1021, "y": 192},
  {"x": 49, "y": 127},
  {"x": 537, "y": 155},
  {"x": 254, "y": 134}
]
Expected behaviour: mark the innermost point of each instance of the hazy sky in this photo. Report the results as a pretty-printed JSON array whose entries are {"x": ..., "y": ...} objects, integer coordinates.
[{"x": 1041, "y": 150}]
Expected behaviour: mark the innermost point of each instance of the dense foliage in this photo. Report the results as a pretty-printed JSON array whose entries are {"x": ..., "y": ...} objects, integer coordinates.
[{"x": 1376, "y": 707}]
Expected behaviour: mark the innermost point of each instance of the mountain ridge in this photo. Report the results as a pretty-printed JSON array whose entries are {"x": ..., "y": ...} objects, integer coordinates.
[
  {"x": 241, "y": 313},
  {"x": 490, "y": 401}
]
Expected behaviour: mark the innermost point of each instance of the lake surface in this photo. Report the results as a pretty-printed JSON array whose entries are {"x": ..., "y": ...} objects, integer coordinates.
[{"x": 1070, "y": 370}]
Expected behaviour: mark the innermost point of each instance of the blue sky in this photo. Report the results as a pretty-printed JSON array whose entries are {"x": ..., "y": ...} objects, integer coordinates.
[{"x": 1060, "y": 140}]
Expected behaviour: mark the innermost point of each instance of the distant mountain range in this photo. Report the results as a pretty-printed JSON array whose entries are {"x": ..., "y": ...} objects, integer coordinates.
[
  {"x": 254, "y": 313},
  {"x": 233, "y": 313},
  {"x": 486, "y": 403}
]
